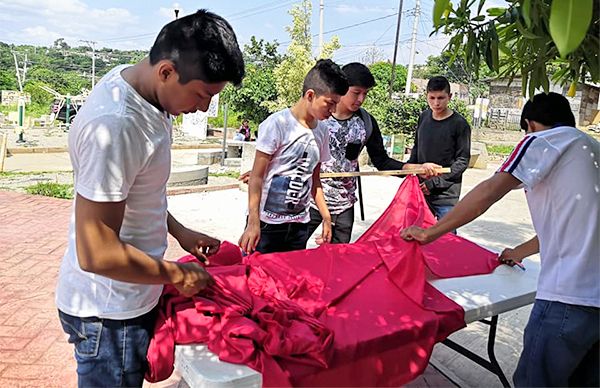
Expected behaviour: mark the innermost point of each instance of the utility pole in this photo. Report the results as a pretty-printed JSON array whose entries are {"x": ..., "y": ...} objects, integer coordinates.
[
  {"x": 321, "y": 9},
  {"x": 396, "y": 47},
  {"x": 413, "y": 46},
  {"x": 21, "y": 73},
  {"x": 91, "y": 44},
  {"x": 176, "y": 10}
]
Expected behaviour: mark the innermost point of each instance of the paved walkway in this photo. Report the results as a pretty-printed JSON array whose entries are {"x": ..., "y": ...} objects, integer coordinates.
[
  {"x": 33, "y": 238},
  {"x": 33, "y": 234}
]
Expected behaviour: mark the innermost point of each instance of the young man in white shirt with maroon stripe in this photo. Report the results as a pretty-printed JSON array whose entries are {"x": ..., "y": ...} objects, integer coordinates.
[{"x": 559, "y": 167}]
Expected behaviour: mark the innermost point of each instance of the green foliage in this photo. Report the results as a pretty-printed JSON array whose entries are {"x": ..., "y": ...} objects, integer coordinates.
[
  {"x": 455, "y": 71},
  {"x": 234, "y": 119},
  {"x": 526, "y": 38},
  {"x": 50, "y": 189},
  {"x": 65, "y": 69},
  {"x": 258, "y": 87},
  {"x": 401, "y": 115},
  {"x": 228, "y": 174},
  {"x": 378, "y": 102},
  {"x": 289, "y": 74},
  {"x": 501, "y": 149}
]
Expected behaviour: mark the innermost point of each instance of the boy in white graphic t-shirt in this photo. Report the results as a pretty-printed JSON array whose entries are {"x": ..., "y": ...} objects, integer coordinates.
[{"x": 290, "y": 147}]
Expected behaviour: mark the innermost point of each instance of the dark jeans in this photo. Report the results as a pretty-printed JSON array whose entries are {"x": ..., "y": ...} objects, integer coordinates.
[
  {"x": 282, "y": 237},
  {"x": 110, "y": 353},
  {"x": 440, "y": 211},
  {"x": 341, "y": 228},
  {"x": 560, "y": 346}
]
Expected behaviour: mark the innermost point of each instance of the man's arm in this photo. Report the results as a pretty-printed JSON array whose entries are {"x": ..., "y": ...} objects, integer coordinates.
[
  {"x": 251, "y": 235},
  {"x": 196, "y": 243},
  {"x": 474, "y": 204},
  {"x": 319, "y": 197},
  {"x": 100, "y": 251},
  {"x": 514, "y": 255},
  {"x": 462, "y": 155},
  {"x": 381, "y": 160}
]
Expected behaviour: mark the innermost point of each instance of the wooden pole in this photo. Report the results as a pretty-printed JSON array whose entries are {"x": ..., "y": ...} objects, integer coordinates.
[
  {"x": 3, "y": 142},
  {"x": 380, "y": 173}
]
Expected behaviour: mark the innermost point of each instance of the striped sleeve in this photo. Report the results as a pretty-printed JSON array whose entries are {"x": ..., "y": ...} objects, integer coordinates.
[{"x": 531, "y": 160}]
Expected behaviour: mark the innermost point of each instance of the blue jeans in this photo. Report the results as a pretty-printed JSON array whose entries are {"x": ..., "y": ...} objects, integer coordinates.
[
  {"x": 282, "y": 237},
  {"x": 560, "y": 346},
  {"x": 441, "y": 210},
  {"x": 110, "y": 353}
]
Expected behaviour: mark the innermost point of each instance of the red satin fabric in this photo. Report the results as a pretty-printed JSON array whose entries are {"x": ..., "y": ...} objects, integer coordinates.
[{"x": 358, "y": 314}]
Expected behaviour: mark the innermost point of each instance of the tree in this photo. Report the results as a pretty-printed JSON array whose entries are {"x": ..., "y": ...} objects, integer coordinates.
[
  {"x": 378, "y": 103},
  {"x": 258, "y": 87},
  {"x": 525, "y": 38},
  {"x": 456, "y": 71},
  {"x": 290, "y": 73}
]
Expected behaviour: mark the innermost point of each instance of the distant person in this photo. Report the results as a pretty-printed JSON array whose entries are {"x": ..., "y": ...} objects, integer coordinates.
[
  {"x": 557, "y": 165},
  {"x": 289, "y": 151},
  {"x": 443, "y": 137},
  {"x": 112, "y": 274},
  {"x": 245, "y": 131},
  {"x": 350, "y": 129}
]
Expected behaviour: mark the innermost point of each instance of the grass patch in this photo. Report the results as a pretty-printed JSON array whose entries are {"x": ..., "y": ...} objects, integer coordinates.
[
  {"x": 501, "y": 149},
  {"x": 229, "y": 174},
  {"x": 51, "y": 189},
  {"x": 25, "y": 173}
]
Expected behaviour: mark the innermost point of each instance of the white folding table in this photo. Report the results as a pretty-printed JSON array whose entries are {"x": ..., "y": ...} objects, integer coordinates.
[{"x": 483, "y": 297}]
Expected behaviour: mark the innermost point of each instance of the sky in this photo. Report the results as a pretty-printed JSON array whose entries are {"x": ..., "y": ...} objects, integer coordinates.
[{"x": 134, "y": 24}]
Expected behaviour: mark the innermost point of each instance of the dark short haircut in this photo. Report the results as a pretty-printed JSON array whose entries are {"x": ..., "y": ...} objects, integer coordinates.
[
  {"x": 201, "y": 46},
  {"x": 438, "y": 84},
  {"x": 359, "y": 75},
  {"x": 325, "y": 77},
  {"x": 550, "y": 109}
]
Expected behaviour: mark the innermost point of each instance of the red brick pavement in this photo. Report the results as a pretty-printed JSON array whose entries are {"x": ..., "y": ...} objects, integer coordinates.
[
  {"x": 33, "y": 348},
  {"x": 33, "y": 237}
]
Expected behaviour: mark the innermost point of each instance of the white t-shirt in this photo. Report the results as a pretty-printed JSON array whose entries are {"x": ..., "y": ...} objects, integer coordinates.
[
  {"x": 560, "y": 171},
  {"x": 296, "y": 151},
  {"x": 120, "y": 148}
]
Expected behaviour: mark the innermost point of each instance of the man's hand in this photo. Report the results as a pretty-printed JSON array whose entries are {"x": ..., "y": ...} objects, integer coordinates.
[
  {"x": 195, "y": 279},
  {"x": 424, "y": 188},
  {"x": 245, "y": 177},
  {"x": 325, "y": 236},
  {"x": 510, "y": 257},
  {"x": 415, "y": 233},
  {"x": 430, "y": 169},
  {"x": 198, "y": 244},
  {"x": 250, "y": 237}
]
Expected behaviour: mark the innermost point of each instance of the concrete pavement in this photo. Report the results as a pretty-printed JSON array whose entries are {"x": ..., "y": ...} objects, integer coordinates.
[{"x": 33, "y": 234}]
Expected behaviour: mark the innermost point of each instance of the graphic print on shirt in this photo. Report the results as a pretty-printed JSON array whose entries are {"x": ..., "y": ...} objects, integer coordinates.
[
  {"x": 289, "y": 194},
  {"x": 340, "y": 192}
]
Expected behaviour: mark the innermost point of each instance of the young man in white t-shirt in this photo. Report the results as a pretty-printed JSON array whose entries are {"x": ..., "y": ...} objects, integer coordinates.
[
  {"x": 290, "y": 148},
  {"x": 112, "y": 274},
  {"x": 559, "y": 167}
]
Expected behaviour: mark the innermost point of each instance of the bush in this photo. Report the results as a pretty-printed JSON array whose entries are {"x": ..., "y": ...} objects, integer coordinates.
[
  {"x": 51, "y": 189},
  {"x": 401, "y": 115}
]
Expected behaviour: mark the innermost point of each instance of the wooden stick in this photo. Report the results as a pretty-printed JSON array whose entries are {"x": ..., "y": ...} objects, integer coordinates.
[
  {"x": 3, "y": 142},
  {"x": 380, "y": 173}
]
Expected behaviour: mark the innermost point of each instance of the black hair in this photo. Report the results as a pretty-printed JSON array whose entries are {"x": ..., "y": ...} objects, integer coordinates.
[
  {"x": 550, "y": 109},
  {"x": 201, "y": 46},
  {"x": 359, "y": 75},
  {"x": 325, "y": 77},
  {"x": 438, "y": 84}
]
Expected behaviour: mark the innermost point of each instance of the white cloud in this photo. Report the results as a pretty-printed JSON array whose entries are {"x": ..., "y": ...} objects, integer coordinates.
[{"x": 70, "y": 19}]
